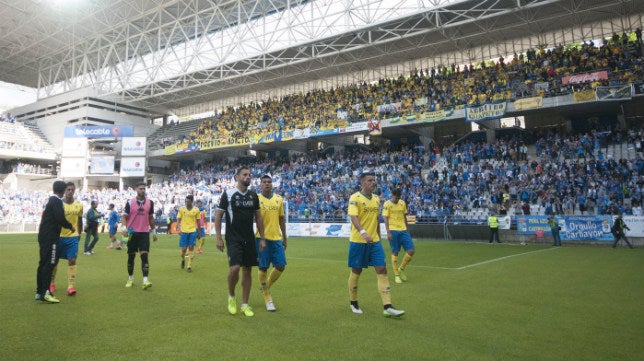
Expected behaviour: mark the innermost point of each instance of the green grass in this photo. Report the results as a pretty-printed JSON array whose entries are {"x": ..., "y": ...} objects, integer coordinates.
[{"x": 464, "y": 301}]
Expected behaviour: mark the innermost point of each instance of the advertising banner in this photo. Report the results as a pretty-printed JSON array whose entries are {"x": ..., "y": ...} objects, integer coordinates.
[
  {"x": 73, "y": 167},
  {"x": 133, "y": 146},
  {"x": 74, "y": 147},
  {"x": 101, "y": 164},
  {"x": 98, "y": 131},
  {"x": 133, "y": 167},
  {"x": 587, "y": 77}
]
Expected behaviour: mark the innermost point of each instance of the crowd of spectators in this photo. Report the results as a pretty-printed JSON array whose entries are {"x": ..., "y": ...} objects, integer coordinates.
[
  {"x": 438, "y": 182},
  {"x": 567, "y": 174},
  {"x": 537, "y": 72}
]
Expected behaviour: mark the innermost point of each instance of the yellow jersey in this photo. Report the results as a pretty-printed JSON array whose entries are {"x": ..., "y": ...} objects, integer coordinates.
[
  {"x": 189, "y": 219},
  {"x": 72, "y": 212},
  {"x": 272, "y": 209},
  {"x": 395, "y": 213},
  {"x": 367, "y": 210}
]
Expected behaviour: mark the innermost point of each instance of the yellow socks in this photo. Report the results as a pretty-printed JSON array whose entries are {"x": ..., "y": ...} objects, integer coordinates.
[
  {"x": 191, "y": 255},
  {"x": 353, "y": 286},
  {"x": 201, "y": 241},
  {"x": 384, "y": 289},
  {"x": 71, "y": 276},
  {"x": 405, "y": 261},
  {"x": 263, "y": 283},
  {"x": 394, "y": 263},
  {"x": 272, "y": 278},
  {"x": 183, "y": 255}
]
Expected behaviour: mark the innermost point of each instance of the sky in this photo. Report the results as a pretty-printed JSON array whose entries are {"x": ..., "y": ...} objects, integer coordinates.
[{"x": 12, "y": 95}]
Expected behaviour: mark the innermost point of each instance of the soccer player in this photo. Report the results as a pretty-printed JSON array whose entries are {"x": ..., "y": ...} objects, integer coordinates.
[
  {"x": 394, "y": 212},
  {"x": 139, "y": 221},
  {"x": 201, "y": 231},
  {"x": 240, "y": 205},
  {"x": 272, "y": 250},
  {"x": 67, "y": 247},
  {"x": 51, "y": 222},
  {"x": 112, "y": 220},
  {"x": 365, "y": 248},
  {"x": 187, "y": 224}
]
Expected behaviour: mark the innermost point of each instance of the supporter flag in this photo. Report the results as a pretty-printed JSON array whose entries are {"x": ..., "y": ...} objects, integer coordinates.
[
  {"x": 622, "y": 92},
  {"x": 374, "y": 127},
  {"x": 584, "y": 96}
]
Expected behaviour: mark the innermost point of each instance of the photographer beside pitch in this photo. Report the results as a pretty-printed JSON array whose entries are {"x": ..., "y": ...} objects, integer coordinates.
[
  {"x": 618, "y": 231},
  {"x": 365, "y": 248}
]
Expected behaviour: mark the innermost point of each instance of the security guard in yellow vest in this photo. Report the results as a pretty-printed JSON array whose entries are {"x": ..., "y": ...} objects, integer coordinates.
[{"x": 493, "y": 222}]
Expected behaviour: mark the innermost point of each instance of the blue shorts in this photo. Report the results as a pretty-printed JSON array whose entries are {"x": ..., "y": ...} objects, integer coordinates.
[
  {"x": 400, "y": 239},
  {"x": 363, "y": 255},
  {"x": 112, "y": 230},
  {"x": 201, "y": 232},
  {"x": 188, "y": 239},
  {"x": 273, "y": 253},
  {"x": 67, "y": 247}
]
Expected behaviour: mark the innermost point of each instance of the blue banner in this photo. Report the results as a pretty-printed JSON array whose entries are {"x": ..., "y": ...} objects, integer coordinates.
[
  {"x": 532, "y": 224},
  {"x": 486, "y": 111},
  {"x": 573, "y": 228},
  {"x": 586, "y": 228},
  {"x": 99, "y": 131}
]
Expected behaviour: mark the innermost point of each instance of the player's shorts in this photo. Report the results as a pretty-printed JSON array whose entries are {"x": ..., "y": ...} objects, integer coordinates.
[
  {"x": 138, "y": 242},
  {"x": 201, "y": 232},
  {"x": 400, "y": 239},
  {"x": 273, "y": 252},
  {"x": 363, "y": 255},
  {"x": 241, "y": 253},
  {"x": 67, "y": 247},
  {"x": 112, "y": 230},
  {"x": 188, "y": 239}
]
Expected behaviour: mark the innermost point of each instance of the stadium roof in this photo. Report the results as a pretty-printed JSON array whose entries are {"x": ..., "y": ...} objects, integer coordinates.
[{"x": 168, "y": 54}]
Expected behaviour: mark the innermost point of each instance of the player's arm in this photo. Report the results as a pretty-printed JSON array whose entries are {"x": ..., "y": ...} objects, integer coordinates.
[
  {"x": 259, "y": 220},
  {"x": 405, "y": 217},
  {"x": 79, "y": 222},
  {"x": 220, "y": 241},
  {"x": 153, "y": 225},
  {"x": 179, "y": 220},
  {"x": 283, "y": 229},
  {"x": 363, "y": 233}
]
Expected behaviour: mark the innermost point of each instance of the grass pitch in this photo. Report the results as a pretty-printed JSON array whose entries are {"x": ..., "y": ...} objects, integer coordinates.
[{"x": 464, "y": 301}]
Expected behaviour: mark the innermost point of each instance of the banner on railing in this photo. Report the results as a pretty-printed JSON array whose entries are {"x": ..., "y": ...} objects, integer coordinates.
[
  {"x": 622, "y": 92},
  {"x": 586, "y": 77},
  {"x": 486, "y": 111},
  {"x": 581, "y": 228},
  {"x": 528, "y": 103}
]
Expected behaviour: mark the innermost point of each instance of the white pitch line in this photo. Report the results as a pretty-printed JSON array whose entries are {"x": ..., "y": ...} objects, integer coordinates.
[
  {"x": 502, "y": 258},
  {"x": 433, "y": 267}
]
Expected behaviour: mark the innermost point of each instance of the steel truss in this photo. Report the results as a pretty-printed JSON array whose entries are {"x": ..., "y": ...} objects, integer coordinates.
[{"x": 167, "y": 54}]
